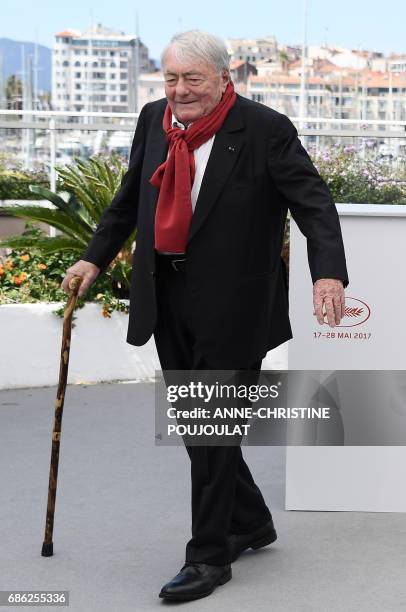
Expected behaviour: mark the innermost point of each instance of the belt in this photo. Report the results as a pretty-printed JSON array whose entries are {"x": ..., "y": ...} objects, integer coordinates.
[{"x": 176, "y": 260}]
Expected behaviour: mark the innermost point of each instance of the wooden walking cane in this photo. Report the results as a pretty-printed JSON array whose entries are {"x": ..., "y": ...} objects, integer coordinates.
[{"x": 47, "y": 546}]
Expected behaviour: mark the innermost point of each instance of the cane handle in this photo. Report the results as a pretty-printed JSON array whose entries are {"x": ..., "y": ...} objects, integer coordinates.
[{"x": 74, "y": 283}]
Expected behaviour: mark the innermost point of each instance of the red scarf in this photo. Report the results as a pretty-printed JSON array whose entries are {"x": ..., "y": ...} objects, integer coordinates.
[{"x": 175, "y": 176}]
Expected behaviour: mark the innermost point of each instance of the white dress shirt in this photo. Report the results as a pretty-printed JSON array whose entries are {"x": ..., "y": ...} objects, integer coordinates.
[{"x": 201, "y": 155}]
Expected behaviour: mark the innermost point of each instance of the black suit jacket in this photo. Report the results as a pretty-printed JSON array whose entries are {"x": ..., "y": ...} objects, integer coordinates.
[{"x": 257, "y": 169}]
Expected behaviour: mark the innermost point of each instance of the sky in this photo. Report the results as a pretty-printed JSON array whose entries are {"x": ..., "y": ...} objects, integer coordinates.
[{"x": 373, "y": 24}]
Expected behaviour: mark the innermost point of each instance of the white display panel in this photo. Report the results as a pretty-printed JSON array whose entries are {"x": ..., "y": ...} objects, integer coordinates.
[{"x": 371, "y": 337}]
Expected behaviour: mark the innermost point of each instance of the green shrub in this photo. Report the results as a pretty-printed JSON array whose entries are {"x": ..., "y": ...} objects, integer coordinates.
[
  {"x": 351, "y": 178},
  {"x": 28, "y": 276}
]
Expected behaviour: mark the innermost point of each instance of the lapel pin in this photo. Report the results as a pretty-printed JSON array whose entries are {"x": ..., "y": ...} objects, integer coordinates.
[{"x": 232, "y": 149}]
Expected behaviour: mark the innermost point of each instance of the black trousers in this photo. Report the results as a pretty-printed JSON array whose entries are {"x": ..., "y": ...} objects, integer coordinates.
[{"x": 225, "y": 498}]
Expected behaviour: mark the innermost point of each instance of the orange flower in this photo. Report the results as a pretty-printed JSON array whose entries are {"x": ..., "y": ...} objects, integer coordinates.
[
  {"x": 42, "y": 266},
  {"x": 17, "y": 280},
  {"x": 25, "y": 257},
  {"x": 23, "y": 276},
  {"x": 105, "y": 312},
  {"x": 1, "y": 271},
  {"x": 9, "y": 264}
]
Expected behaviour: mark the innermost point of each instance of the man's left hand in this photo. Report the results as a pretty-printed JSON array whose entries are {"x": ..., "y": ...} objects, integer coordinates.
[{"x": 329, "y": 291}]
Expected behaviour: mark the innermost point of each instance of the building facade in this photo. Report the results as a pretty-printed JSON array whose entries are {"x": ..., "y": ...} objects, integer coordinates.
[{"x": 96, "y": 71}]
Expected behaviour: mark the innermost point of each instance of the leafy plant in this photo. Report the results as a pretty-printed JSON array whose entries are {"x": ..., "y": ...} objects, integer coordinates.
[
  {"x": 86, "y": 188},
  {"x": 15, "y": 181},
  {"x": 27, "y": 276},
  {"x": 352, "y": 178}
]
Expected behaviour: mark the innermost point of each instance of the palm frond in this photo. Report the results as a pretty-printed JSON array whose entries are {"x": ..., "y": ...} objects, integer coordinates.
[
  {"x": 109, "y": 178},
  {"x": 60, "y": 203},
  {"x": 72, "y": 181},
  {"x": 46, "y": 246},
  {"x": 92, "y": 198},
  {"x": 55, "y": 218}
]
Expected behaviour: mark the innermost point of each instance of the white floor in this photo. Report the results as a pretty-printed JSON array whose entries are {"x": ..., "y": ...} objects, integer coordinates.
[{"x": 122, "y": 517}]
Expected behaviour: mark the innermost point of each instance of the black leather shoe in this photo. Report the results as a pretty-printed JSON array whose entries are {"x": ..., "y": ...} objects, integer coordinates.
[
  {"x": 256, "y": 539},
  {"x": 195, "y": 580}
]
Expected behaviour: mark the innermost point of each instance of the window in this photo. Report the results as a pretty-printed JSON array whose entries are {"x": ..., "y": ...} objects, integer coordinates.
[{"x": 123, "y": 98}]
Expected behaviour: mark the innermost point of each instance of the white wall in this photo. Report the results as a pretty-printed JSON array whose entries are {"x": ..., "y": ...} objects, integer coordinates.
[{"x": 31, "y": 337}]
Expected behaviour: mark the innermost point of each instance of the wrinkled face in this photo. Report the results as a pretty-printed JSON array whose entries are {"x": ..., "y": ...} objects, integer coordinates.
[{"x": 192, "y": 88}]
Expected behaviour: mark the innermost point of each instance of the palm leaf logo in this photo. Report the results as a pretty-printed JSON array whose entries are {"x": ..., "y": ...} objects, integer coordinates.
[{"x": 353, "y": 312}]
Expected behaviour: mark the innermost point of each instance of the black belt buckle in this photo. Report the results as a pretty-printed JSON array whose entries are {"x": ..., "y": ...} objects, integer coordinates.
[{"x": 176, "y": 267}]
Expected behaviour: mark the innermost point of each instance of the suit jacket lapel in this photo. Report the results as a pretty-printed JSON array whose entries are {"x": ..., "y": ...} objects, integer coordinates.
[{"x": 227, "y": 145}]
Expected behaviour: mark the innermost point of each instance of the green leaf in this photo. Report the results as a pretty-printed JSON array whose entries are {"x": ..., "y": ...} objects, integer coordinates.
[
  {"x": 60, "y": 203},
  {"x": 53, "y": 244},
  {"x": 55, "y": 218}
]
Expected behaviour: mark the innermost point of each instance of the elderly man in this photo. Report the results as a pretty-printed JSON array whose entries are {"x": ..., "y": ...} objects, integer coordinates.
[{"x": 210, "y": 178}]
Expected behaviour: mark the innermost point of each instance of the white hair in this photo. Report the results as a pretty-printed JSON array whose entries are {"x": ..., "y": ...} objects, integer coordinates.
[{"x": 196, "y": 44}]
